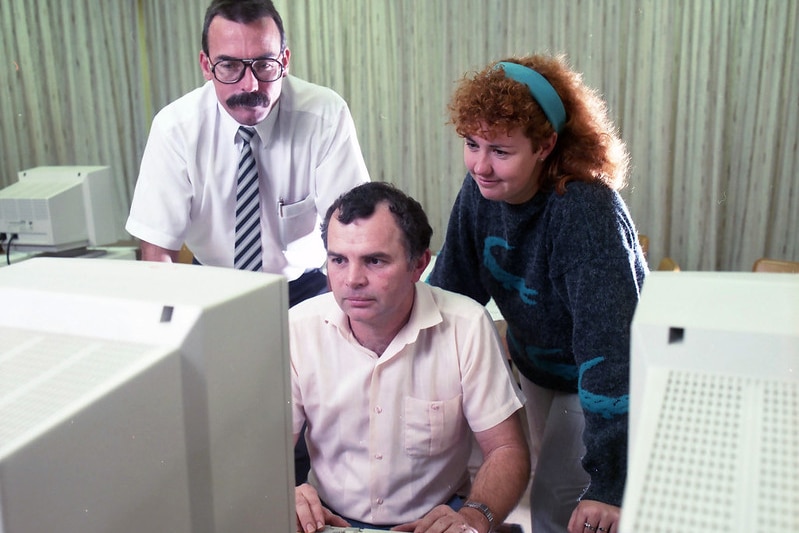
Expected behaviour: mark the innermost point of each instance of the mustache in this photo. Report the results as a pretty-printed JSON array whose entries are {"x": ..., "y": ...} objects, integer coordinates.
[{"x": 256, "y": 99}]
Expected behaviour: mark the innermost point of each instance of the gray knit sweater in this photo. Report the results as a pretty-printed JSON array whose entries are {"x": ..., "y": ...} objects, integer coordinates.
[{"x": 566, "y": 272}]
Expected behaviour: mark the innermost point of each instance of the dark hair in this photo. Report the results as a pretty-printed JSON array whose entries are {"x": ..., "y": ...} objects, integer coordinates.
[
  {"x": 243, "y": 12},
  {"x": 361, "y": 202}
]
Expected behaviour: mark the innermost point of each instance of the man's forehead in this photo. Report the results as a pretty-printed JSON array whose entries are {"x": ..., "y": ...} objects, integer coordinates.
[
  {"x": 380, "y": 230},
  {"x": 226, "y": 37}
]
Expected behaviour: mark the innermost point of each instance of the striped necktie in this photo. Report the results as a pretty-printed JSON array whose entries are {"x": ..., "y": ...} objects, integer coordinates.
[{"x": 248, "y": 220}]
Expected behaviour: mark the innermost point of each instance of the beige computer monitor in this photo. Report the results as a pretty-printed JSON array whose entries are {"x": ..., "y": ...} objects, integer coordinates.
[{"x": 139, "y": 396}]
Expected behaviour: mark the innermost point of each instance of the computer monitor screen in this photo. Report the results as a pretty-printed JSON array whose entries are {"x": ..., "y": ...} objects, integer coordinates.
[
  {"x": 143, "y": 397},
  {"x": 714, "y": 404}
]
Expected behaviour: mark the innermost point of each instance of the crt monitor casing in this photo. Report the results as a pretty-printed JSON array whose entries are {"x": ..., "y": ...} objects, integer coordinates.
[
  {"x": 54, "y": 208},
  {"x": 714, "y": 404},
  {"x": 143, "y": 397}
]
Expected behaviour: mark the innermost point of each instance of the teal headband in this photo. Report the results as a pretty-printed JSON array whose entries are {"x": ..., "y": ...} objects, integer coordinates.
[{"x": 543, "y": 92}]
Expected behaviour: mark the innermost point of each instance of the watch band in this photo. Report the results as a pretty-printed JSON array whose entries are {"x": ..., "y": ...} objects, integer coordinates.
[{"x": 483, "y": 508}]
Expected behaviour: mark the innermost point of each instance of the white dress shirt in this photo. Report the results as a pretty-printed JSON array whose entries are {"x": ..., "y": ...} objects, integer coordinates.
[{"x": 307, "y": 153}]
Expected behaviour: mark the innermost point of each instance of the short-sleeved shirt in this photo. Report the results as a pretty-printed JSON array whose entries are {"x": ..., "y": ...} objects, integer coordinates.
[
  {"x": 307, "y": 153},
  {"x": 390, "y": 437}
]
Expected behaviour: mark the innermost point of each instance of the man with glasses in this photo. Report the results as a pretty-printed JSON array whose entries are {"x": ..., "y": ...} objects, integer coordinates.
[{"x": 302, "y": 153}]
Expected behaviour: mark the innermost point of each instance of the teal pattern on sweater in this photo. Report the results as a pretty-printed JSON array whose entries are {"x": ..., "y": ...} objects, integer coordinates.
[{"x": 566, "y": 272}]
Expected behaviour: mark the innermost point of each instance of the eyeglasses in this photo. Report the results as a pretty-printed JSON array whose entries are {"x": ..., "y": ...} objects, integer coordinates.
[{"x": 232, "y": 70}]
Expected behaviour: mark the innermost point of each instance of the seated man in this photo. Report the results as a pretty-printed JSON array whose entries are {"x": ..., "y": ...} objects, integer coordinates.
[{"x": 392, "y": 377}]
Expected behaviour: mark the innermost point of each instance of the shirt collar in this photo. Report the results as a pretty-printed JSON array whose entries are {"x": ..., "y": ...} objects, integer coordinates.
[
  {"x": 267, "y": 125},
  {"x": 263, "y": 129},
  {"x": 425, "y": 314}
]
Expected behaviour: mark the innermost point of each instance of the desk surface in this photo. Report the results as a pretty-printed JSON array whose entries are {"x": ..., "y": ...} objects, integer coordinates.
[{"x": 100, "y": 252}]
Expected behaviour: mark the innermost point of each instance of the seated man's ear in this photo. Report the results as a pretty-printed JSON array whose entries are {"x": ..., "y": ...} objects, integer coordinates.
[{"x": 420, "y": 264}]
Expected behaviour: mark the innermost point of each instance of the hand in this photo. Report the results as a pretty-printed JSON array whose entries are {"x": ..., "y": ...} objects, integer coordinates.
[
  {"x": 311, "y": 514},
  {"x": 592, "y": 516},
  {"x": 442, "y": 519}
]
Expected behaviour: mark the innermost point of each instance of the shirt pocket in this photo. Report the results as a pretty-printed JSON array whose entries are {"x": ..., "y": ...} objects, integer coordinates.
[
  {"x": 296, "y": 220},
  {"x": 432, "y": 427}
]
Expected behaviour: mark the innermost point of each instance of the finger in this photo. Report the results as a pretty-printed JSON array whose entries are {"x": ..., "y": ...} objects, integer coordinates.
[
  {"x": 310, "y": 514},
  {"x": 577, "y": 523},
  {"x": 335, "y": 520},
  {"x": 604, "y": 527},
  {"x": 607, "y": 520}
]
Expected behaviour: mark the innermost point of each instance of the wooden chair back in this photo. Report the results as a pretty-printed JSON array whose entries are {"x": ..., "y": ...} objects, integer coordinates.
[
  {"x": 668, "y": 264},
  {"x": 643, "y": 240},
  {"x": 185, "y": 255},
  {"x": 765, "y": 264}
]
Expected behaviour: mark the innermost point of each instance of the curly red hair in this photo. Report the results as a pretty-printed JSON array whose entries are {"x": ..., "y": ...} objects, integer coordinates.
[{"x": 589, "y": 147}]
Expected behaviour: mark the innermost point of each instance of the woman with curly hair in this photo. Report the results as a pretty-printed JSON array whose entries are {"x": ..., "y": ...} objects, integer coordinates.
[{"x": 539, "y": 226}]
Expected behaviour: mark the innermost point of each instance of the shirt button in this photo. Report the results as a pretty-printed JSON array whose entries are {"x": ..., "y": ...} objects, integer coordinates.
[
  {"x": 379, "y": 501},
  {"x": 435, "y": 407},
  {"x": 378, "y": 456},
  {"x": 378, "y": 409}
]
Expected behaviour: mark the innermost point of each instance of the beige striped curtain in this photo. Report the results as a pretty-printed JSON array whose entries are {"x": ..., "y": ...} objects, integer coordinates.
[{"x": 703, "y": 91}]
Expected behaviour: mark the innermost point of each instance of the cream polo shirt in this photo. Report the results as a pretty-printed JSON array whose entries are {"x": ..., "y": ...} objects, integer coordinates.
[
  {"x": 389, "y": 437},
  {"x": 307, "y": 153}
]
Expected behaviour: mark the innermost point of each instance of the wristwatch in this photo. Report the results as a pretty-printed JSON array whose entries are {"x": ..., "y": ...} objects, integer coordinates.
[{"x": 483, "y": 508}]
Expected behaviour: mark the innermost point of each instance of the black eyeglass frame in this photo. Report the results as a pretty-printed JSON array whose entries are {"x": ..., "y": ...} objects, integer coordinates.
[{"x": 251, "y": 64}]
